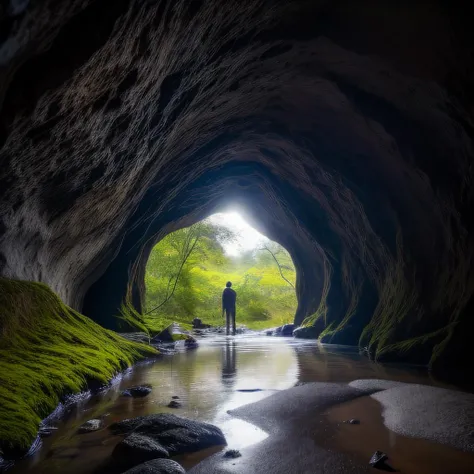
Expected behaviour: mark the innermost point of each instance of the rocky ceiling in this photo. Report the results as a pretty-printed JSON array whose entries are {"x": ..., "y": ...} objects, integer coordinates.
[{"x": 343, "y": 128}]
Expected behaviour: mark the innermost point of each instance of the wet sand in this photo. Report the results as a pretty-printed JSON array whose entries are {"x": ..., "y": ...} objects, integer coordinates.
[
  {"x": 408, "y": 455},
  {"x": 307, "y": 434},
  {"x": 277, "y": 430}
]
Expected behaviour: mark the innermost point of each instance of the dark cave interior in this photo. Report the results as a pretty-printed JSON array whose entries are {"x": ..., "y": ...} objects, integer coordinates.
[{"x": 344, "y": 129}]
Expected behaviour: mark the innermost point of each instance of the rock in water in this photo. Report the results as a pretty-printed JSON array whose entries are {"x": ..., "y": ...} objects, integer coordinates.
[
  {"x": 157, "y": 466},
  {"x": 287, "y": 330},
  {"x": 178, "y": 435},
  {"x": 352, "y": 421},
  {"x": 171, "y": 334},
  {"x": 136, "y": 449},
  {"x": 174, "y": 404},
  {"x": 90, "y": 426},
  {"x": 198, "y": 324},
  {"x": 377, "y": 459},
  {"x": 190, "y": 343},
  {"x": 232, "y": 453},
  {"x": 137, "y": 392}
]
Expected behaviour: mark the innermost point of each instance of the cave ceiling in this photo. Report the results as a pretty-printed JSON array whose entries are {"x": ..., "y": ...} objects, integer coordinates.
[{"x": 344, "y": 128}]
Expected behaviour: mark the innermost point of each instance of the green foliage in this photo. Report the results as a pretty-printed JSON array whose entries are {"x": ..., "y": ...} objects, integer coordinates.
[
  {"x": 264, "y": 298},
  {"x": 46, "y": 351}
]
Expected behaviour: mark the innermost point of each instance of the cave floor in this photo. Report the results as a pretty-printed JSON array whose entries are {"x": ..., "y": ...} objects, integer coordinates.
[{"x": 282, "y": 403}]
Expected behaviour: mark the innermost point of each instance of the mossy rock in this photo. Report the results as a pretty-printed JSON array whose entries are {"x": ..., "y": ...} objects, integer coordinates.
[
  {"x": 172, "y": 333},
  {"x": 48, "y": 350}
]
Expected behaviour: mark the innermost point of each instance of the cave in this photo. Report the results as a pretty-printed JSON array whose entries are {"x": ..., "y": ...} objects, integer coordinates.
[{"x": 343, "y": 129}]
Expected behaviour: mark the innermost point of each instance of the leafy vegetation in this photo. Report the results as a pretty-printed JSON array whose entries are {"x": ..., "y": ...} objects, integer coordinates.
[
  {"x": 188, "y": 269},
  {"x": 46, "y": 351}
]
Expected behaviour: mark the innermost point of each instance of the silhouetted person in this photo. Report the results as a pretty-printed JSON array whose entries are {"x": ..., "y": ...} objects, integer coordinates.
[{"x": 228, "y": 306}]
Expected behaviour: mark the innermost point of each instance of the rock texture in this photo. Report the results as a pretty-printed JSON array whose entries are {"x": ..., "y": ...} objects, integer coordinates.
[
  {"x": 136, "y": 449},
  {"x": 157, "y": 466},
  {"x": 177, "y": 435},
  {"x": 343, "y": 130}
]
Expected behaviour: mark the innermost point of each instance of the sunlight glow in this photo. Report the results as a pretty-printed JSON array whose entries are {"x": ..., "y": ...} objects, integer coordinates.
[{"x": 247, "y": 237}]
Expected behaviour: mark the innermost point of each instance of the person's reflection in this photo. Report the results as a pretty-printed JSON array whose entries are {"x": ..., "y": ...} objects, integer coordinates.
[{"x": 228, "y": 363}]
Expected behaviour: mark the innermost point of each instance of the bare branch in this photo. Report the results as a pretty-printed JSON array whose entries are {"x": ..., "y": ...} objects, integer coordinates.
[
  {"x": 279, "y": 266},
  {"x": 186, "y": 256}
]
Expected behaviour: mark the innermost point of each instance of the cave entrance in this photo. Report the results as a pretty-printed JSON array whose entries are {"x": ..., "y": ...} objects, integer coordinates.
[{"x": 188, "y": 269}]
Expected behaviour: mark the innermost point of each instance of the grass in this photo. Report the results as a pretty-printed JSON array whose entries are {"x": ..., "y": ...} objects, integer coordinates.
[{"x": 48, "y": 350}]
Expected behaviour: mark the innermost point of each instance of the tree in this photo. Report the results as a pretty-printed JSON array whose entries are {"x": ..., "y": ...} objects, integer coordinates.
[
  {"x": 280, "y": 266},
  {"x": 187, "y": 271},
  {"x": 192, "y": 246}
]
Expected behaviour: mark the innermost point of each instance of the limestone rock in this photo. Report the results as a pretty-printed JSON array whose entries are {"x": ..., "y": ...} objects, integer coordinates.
[{"x": 348, "y": 141}]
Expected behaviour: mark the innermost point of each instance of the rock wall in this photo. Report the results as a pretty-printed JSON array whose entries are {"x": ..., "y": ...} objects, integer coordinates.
[{"x": 345, "y": 129}]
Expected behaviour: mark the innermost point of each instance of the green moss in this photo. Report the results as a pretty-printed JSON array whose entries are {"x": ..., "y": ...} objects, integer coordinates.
[
  {"x": 416, "y": 343},
  {"x": 150, "y": 324},
  {"x": 131, "y": 318},
  {"x": 46, "y": 351}
]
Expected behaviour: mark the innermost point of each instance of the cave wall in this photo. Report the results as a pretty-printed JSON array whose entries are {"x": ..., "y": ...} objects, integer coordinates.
[{"x": 351, "y": 121}]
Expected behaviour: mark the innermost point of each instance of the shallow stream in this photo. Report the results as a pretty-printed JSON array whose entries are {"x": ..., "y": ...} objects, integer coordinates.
[{"x": 224, "y": 373}]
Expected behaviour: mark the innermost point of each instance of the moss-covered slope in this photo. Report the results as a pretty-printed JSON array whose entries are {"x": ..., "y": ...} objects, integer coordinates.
[{"x": 47, "y": 350}]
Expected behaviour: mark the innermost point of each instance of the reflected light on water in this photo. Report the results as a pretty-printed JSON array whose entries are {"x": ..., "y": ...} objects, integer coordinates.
[{"x": 223, "y": 374}]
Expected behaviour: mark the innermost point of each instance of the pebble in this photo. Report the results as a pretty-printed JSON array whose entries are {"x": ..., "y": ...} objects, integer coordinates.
[{"x": 352, "y": 421}]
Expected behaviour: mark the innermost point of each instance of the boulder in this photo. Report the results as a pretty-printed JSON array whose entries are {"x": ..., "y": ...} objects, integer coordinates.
[
  {"x": 136, "y": 449},
  {"x": 287, "y": 330},
  {"x": 90, "y": 426},
  {"x": 157, "y": 466},
  {"x": 176, "y": 434}
]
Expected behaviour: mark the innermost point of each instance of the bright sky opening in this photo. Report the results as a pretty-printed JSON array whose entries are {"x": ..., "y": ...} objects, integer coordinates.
[{"x": 247, "y": 237}]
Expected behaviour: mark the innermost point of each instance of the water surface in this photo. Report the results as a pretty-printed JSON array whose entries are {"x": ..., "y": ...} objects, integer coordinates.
[{"x": 220, "y": 375}]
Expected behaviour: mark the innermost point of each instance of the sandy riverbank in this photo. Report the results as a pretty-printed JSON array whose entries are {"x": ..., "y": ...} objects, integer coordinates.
[{"x": 306, "y": 433}]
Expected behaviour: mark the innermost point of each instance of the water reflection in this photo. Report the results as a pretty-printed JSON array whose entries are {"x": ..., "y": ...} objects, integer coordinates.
[
  {"x": 229, "y": 359},
  {"x": 331, "y": 363},
  {"x": 222, "y": 374}
]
